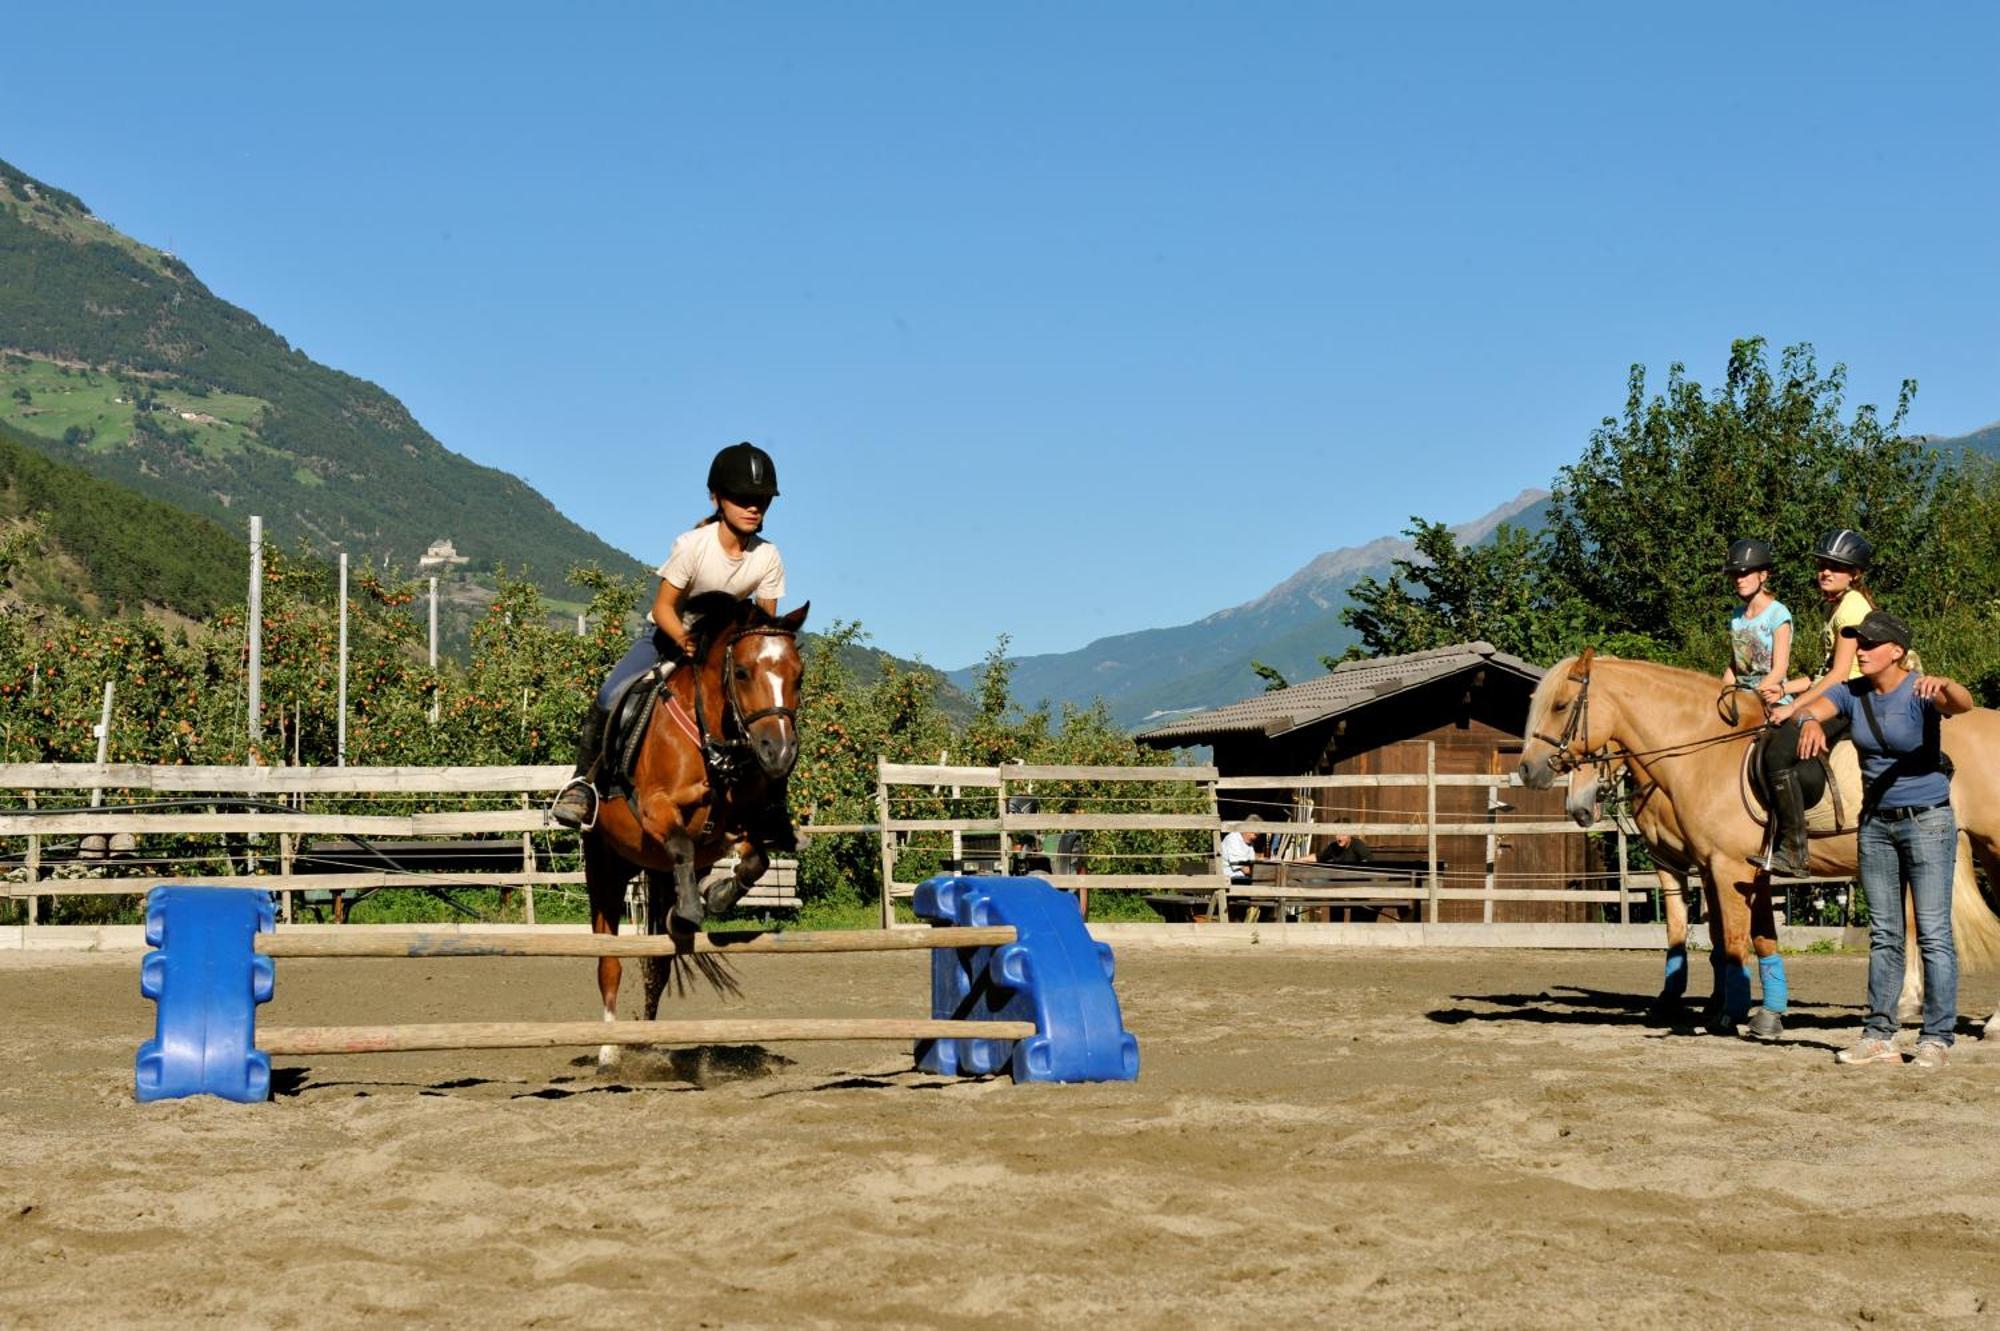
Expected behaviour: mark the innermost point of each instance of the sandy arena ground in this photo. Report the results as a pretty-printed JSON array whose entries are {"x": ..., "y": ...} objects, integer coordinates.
[{"x": 1342, "y": 1137}]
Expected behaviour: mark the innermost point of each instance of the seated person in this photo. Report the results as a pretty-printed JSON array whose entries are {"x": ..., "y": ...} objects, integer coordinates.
[
  {"x": 1344, "y": 848},
  {"x": 1239, "y": 851}
]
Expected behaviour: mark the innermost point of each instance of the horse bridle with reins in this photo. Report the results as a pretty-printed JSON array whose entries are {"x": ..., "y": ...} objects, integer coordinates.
[
  {"x": 722, "y": 755},
  {"x": 1577, "y": 726}
]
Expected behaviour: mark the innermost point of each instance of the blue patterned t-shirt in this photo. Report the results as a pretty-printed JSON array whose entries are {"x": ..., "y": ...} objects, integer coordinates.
[{"x": 1753, "y": 643}]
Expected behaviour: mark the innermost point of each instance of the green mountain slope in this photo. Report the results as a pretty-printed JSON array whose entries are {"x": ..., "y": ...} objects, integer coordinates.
[
  {"x": 98, "y": 549},
  {"x": 118, "y": 359}
]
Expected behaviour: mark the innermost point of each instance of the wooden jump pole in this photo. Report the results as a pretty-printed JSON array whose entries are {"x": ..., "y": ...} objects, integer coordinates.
[
  {"x": 431, "y": 943},
  {"x": 301, "y": 1040}
]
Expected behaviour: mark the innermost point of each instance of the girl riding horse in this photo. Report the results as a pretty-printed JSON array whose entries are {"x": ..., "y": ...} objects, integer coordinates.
[{"x": 725, "y": 552}]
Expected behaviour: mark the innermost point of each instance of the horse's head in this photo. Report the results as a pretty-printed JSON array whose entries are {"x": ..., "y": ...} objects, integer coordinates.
[
  {"x": 760, "y": 683},
  {"x": 1565, "y": 725}
]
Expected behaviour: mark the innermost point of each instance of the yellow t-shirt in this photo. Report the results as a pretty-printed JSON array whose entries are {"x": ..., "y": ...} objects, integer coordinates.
[{"x": 1853, "y": 608}]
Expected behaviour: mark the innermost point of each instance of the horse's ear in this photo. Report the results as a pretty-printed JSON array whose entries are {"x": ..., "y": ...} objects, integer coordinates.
[
  {"x": 797, "y": 619},
  {"x": 1580, "y": 671}
]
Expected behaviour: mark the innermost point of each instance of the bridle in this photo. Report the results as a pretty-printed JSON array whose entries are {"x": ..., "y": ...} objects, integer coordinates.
[
  {"x": 1576, "y": 727},
  {"x": 723, "y": 754},
  {"x": 1576, "y": 731}
]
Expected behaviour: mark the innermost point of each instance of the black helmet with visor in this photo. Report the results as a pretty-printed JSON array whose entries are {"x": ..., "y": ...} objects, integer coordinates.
[
  {"x": 1748, "y": 556},
  {"x": 1845, "y": 546},
  {"x": 743, "y": 471}
]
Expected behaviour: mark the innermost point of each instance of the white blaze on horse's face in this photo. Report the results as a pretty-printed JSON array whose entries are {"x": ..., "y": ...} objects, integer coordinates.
[{"x": 774, "y": 678}]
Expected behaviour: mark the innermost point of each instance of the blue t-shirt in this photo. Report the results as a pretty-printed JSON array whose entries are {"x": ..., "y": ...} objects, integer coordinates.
[
  {"x": 1910, "y": 727},
  {"x": 1753, "y": 643}
]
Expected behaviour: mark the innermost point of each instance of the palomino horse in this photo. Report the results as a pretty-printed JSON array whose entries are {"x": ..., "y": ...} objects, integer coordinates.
[
  {"x": 722, "y": 739},
  {"x": 1661, "y": 725}
]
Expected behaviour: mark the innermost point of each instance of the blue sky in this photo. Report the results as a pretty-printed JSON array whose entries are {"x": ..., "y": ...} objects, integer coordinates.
[{"x": 1061, "y": 320}]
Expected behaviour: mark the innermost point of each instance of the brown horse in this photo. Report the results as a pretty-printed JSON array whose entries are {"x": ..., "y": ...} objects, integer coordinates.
[
  {"x": 1661, "y": 725},
  {"x": 721, "y": 742}
]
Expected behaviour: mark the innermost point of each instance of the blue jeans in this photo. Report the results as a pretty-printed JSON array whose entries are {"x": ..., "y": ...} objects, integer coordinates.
[
  {"x": 648, "y": 649},
  {"x": 1923, "y": 850}
]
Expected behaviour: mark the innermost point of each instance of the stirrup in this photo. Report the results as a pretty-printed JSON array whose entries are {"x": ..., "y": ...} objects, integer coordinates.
[{"x": 589, "y": 822}]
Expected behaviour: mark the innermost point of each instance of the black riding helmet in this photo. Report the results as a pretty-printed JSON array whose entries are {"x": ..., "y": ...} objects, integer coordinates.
[
  {"x": 1844, "y": 545},
  {"x": 746, "y": 470},
  {"x": 1748, "y": 556}
]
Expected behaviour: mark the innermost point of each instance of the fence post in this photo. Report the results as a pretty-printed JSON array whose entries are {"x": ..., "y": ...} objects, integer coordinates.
[
  {"x": 340, "y": 740},
  {"x": 256, "y": 635},
  {"x": 1215, "y": 864},
  {"x": 1431, "y": 822},
  {"x": 1494, "y": 804},
  {"x": 527, "y": 867},
  {"x": 888, "y": 845},
  {"x": 34, "y": 867},
  {"x": 1624, "y": 896}
]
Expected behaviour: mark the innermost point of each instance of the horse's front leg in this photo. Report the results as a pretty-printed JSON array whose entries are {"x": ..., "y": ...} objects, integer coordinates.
[
  {"x": 724, "y": 893},
  {"x": 1729, "y": 885},
  {"x": 1767, "y": 1022},
  {"x": 1673, "y": 988},
  {"x": 688, "y": 911}
]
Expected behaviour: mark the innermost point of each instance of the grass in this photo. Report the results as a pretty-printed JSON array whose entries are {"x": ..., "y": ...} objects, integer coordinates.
[{"x": 61, "y": 398}]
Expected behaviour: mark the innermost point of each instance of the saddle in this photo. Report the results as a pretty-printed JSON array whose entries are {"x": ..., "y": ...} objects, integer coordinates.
[
  {"x": 625, "y": 730},
  {"x": 1839, "y": 808}
]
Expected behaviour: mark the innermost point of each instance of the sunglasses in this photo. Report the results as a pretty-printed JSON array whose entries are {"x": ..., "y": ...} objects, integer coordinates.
[
  {"x": 1829, "y": 566},
  {"x": 1870, "y": 644},
  {"x": 747, "y": 501}
]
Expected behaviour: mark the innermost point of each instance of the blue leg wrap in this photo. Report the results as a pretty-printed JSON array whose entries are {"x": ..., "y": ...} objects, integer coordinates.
[
  {"x": 1771, "y": 974},
  {"x": 1732, "y": 986},
  {"x": 1676, "y": 983}
]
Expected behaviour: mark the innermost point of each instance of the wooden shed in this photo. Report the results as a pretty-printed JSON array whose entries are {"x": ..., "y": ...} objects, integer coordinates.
[{"x": 1382, "y": 716}]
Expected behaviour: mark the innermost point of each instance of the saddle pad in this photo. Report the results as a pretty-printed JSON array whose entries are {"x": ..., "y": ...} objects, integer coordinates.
[{"x": 1838, "y": 810}]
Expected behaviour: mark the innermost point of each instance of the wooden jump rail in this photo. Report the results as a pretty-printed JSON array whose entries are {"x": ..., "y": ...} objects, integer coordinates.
[
  {"x": 433, "y": 943},
  {"x": 1017, "y": 984},
  {"x": 299, "y": 1040}
]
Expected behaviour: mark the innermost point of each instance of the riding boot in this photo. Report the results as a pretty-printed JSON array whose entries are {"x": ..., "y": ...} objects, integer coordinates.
[
  {"x": 576, "y": 806},
  {"x": 1787, "y": 858}
]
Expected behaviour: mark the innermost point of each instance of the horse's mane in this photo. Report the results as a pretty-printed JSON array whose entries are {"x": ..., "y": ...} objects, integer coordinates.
[
  {"x": 717, "y": 613},
  {"x": 1698, "y": 687}
]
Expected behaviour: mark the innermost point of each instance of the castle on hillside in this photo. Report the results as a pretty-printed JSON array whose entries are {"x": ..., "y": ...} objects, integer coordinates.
[{"x": 442, "y": 554}]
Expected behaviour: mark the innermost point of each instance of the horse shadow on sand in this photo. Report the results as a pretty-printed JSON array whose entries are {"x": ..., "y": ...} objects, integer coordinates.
[{"x": 1575, "y": 1005}]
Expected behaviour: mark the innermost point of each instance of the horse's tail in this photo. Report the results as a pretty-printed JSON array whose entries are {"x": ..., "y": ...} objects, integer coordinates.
[
  {"x": 677, "y": 973},
  {"x": 1974, "y": 927}
]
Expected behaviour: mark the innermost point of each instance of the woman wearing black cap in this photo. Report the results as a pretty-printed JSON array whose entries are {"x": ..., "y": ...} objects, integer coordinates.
[
  {"x": 724, "y": 552},
  {"x": 1908, "y": 831}
]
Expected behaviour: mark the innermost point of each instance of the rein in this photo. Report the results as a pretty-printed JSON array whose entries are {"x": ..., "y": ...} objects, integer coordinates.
[{"x": 1576, "y": 731}]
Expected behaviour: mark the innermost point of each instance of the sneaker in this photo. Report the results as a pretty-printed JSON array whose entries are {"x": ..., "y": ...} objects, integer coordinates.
[
  {"x": 576, "y": 806},
  {"x": 1869, "y": 1050},
  {"x": 1931, "y": 1054}
]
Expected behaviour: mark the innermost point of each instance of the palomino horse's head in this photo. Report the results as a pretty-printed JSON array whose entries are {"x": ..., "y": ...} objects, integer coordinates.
[
  {"x": 1562, "y": 733},
  {"x": 760, "y": 671}
]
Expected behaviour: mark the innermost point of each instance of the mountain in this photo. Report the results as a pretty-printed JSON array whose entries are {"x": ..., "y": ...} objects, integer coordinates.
[
  {"x": 1985, "y": 440},
  {"x": 115, "y": 357},
  {"x": 1155, "y": 672},
  {"x": 100, "y": 549}
]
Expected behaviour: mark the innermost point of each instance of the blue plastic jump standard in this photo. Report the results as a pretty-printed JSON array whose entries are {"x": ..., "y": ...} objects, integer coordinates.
[
  {"x": 207, "y": 980},
  {"x": 1054, "y": 974}
]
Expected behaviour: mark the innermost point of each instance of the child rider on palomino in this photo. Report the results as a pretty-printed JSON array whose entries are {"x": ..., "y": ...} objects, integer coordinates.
[
  {"x": 1760, "y": 653},
  {"x": 1841, "y": 558},
  {"x": 724, "y": 552}
]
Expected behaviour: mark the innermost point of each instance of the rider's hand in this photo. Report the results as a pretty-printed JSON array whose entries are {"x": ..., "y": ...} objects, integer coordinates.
[
  {"x": 1812, "y": 739},
  {"x": 1780, "y": 715},
  {"x": 1771, "y": 690}
]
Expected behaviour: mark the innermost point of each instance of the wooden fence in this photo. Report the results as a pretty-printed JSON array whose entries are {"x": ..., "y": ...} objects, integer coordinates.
[{"x": 1165, "y": 819}]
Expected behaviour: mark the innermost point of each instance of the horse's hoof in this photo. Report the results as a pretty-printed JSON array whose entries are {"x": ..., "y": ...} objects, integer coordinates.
[
  {"x": 1718, "y": 1022},
  {"x": 722, "y": 897},
  {"x": 1765, "y": 1025}
]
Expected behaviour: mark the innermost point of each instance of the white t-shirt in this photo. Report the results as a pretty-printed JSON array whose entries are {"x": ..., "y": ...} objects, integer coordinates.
[
  {"x": 698, "y": 564},
  {"x": 1237, "y": 855}
]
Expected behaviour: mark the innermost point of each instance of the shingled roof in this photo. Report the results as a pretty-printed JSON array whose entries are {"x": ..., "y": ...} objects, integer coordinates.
[{"x": 1350, "y": 685}]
